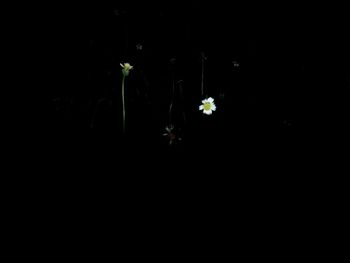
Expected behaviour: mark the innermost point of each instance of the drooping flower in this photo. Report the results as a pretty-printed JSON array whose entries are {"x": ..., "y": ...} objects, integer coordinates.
[
  {"x": 171, "y": 135},
  {"x": 126, "y": 68},
  {"x": 208, "y": 106}
]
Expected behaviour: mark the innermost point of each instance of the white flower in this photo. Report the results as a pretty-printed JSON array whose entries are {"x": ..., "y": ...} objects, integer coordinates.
[
  {"x": 208, "y": 106},
  {"x": 126, "y": 68}
]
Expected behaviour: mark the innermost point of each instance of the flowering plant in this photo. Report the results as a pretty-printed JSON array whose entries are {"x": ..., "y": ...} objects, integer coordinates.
[{"x": 126, "y": 67}]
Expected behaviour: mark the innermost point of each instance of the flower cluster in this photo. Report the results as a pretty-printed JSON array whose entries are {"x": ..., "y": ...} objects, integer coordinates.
[{"x": 207, "y": 106}]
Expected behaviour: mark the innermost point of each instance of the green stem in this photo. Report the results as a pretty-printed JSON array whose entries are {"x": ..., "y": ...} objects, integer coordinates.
[
  {"x": 123, "y": 99},
  {"x": 172, "y": 99},
  {"x": 202, "y": 86}
]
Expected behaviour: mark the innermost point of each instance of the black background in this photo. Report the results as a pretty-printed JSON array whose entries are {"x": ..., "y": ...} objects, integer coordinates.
[
  {"x": 258, "y": 155},
  {"x": 280, "y": 105}
]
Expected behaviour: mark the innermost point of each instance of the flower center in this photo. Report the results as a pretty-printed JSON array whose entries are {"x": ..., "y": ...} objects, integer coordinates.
[{"x": 207, "y": 106}]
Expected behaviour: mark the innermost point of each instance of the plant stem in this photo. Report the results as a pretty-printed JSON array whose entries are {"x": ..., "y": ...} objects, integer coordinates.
[
  {"x": 123, "y": 100},
  {"x": 172, "y": 98},
  {"x": 202, "y": 86}
]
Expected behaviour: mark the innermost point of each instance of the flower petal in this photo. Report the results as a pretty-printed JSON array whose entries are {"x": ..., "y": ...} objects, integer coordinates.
[
  {"x": 201, "y": 107},
  {"x": 210, "y": 99},
  {"x": 121, "y": 65}
]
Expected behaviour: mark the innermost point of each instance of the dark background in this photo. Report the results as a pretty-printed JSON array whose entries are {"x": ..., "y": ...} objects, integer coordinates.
[
  {"x": 263, "y": 152},
  {"x": 286, "y": 93}
]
